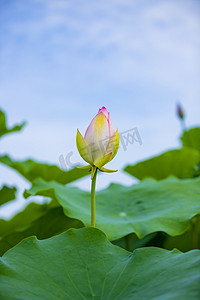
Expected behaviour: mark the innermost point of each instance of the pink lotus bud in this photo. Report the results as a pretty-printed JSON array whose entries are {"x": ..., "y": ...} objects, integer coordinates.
[
  {"x": 101, "y": 142},
  {"x": 180, "y": 111}
]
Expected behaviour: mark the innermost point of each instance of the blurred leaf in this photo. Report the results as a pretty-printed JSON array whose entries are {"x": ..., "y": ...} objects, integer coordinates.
[
  {"x": 142, "y": 208},
  {"x": 82, "y": 264},
  {"x": 32, "y": 170},
  {"x": 191, "y": 138},
  {"x": 180, "y": 163},
  {"x": 46, "y": 222},
  {"x": 187, "y": 241},
  {"x": 7, "y": 194},
  {"x": 131, "y": 242},
  {"x": 182, "y": 242},
  {"x": 3, "y": 126},
  {"x": 23, "y": 219}
]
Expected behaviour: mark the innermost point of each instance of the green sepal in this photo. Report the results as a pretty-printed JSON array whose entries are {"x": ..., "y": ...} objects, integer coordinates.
[
  {"x": 102, "y": 169},
  {"x": 113, "y": 144},
  {"x": 83, "y": 148},
  {"x": 88, "y": 167},
  {"x": 103, "y": 160}
]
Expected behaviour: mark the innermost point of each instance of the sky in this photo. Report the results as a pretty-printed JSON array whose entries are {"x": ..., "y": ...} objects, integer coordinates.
[{"x": 60, "y": 61}]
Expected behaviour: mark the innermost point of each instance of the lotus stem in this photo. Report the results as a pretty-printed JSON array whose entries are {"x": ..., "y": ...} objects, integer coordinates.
[{"x": 93, "y": 198}]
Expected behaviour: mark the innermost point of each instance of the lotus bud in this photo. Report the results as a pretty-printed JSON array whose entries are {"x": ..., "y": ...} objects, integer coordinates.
[
  {"x": 180, "y": 111},
  {"x": 100, "y": 143}
]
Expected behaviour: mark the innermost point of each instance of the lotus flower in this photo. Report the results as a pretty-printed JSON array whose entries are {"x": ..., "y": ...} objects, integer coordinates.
[{"x": 100, "y": 143}]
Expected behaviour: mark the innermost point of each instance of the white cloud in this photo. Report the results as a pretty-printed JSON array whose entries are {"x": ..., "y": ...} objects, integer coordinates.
[{"x": 126, "y": 42}]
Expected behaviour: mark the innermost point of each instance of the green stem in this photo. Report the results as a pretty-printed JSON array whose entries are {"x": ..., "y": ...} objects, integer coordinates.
[
  {"x": 93, "y": 199},
  {"x": 183, "y": 125}
]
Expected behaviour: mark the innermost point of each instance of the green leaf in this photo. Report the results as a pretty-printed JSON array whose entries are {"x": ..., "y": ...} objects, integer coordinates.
[
  {"x": 186, "y": 241},
  {"x": 142, "y": 208},
  {"x": 180, "y": 163},
  {"x": 191, "y": 138},
  {"x": 42, "y": 220},
  {"x": 82, "y": 264},
  {"x": 132, "y": 242},
  {"x": 182, "y": 242},
  {"x": 32, "y": 170},
  {"x": 3, "y": 126},
  {"x": 7, "y": 194},
  {"x": 22, "y": 220},
  {"x": 52, "y": 221}
]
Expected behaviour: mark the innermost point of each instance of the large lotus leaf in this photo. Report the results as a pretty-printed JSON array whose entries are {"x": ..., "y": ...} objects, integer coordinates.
[
  {"x": 32, "y": 170},
  {"x": 191, "y": 138},
  {"x": 142, "y": 208},
  {"x": 7, "y": 194},
  {"x": 83, "y": 264},
  {"x": 3, "y": 126},
  {"x": 52, "y": 222},
  {"x": 180, "y": 163}
]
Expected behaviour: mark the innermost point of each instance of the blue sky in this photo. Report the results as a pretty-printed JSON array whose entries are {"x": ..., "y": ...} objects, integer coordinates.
[{"x": 60, "y": 61}]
